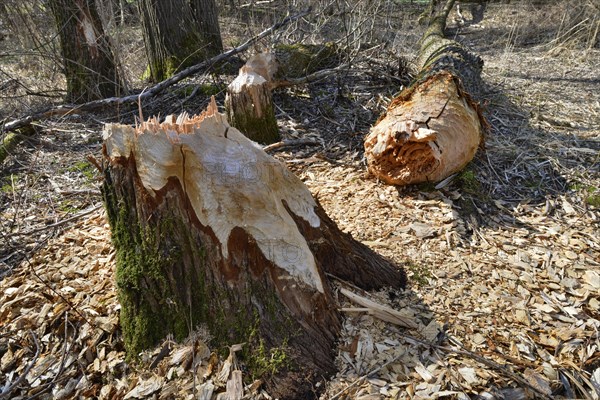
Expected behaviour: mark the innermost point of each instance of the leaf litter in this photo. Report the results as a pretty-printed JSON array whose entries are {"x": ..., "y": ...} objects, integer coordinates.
[{"x": 505, "y": 268}]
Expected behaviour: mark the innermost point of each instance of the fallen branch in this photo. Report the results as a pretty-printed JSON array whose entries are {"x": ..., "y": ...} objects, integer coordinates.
[
  {"x": 290, "y": 143},
  {"x": 61, "y": 222},
  {"x": 309, "y": 78},
  {"x": 380, "y": 311},
  {"x": 64, "y": 109}
]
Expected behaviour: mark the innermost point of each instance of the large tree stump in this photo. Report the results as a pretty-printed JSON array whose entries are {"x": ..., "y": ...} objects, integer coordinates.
[
  {"x": 210, "y": 230},
  {"x": 433, "y": 128},
  {"x": 249, "y": 102}
]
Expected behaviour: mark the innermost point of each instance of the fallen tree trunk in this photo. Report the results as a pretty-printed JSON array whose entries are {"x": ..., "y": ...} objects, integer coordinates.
[
  {"x": 210, "y": 230},
  {"x": 433, "y": 128}
]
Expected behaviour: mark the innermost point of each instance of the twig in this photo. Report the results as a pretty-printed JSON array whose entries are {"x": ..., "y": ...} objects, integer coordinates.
[
  {"x": 154, "y": 90},
  {"x": 7, "y": 390},
  {"x": 489, "y": 363},
  {"x": 309, "y": 78},
  {"x": 61, "y": 368},
  {"x": 59, "y": 223},
  {"x": 290, "y": 143},
  {"x": 56, "y": 292}
]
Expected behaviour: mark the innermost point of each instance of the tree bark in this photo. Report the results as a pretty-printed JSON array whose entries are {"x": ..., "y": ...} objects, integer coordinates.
[
  {"x": 210, "y": 230},
  {"x": 179, "y": 33},
  {"x": 89, "y": 63},
  {"x": 433, "y": 128}
]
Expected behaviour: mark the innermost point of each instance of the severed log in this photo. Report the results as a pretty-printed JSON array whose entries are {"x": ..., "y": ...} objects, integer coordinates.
[
  {"x": 210, "y": 230},
  {"x": 433, "y": 128},
  {"x": 249, "y": 102}
]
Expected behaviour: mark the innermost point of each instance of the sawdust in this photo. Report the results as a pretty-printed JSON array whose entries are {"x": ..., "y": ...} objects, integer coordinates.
[{"x": 504, "y": 258}]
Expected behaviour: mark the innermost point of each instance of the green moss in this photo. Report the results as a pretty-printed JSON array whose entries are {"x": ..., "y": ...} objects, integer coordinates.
[
  {"x": 593, "y": 200},
  {"x": 261, "y": 129},
  {"x": 86, "y": 169},
  {"x": 67, "y": 206},
  {"x": 208, "y": 89},
  {"x": 420, "y": 274},
  {"x": 591, "y": 194},
  {"x": 268, "y": 362},
  {"x": 145, "y": 254},
  {"x": 8, "y": 184},
  {"x": 205, "y": 89},
  {"x": 298, "y": 60},
  {"x": 468, "y": 182},
  {"x": 159, "y": 296}
]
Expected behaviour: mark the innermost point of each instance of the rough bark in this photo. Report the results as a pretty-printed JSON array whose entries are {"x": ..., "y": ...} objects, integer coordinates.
[
  {"x": 433, "y": 128},
  {"x": 179, "y": 33},
  {"x": 89, "y": 63},
  {"x": 210, "y": 230},
  {"x": 249, "y": 102}
]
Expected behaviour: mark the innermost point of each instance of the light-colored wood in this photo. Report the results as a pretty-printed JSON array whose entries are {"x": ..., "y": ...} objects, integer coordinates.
[
  {"x": 225, "y": 178},
  {"x": 380, "y": 311},
  {"x": 433, "y": 128},
  {"x": 426, "y": 136},
  {"x": 209, "y": 229}
]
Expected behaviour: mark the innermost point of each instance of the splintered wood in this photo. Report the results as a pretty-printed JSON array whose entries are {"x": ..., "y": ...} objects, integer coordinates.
[{"x": 428, "y": 133}]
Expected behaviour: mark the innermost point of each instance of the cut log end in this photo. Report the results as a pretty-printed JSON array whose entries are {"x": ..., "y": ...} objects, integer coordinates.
[{"x": 429, "y": 132}]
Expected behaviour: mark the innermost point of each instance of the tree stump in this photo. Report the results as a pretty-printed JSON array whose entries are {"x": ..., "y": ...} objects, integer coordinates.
[
  {"x": 210, "y": 230},
  {"x": 433, "y": 128},
  {"x": 249, "y": 102}
]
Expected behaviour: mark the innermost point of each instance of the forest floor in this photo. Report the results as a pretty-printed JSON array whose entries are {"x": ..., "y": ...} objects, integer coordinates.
[{"x": 503, "y": 260}]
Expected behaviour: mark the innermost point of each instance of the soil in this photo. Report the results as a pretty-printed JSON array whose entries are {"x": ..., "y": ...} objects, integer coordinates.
[{"x": 503, "y": 259}]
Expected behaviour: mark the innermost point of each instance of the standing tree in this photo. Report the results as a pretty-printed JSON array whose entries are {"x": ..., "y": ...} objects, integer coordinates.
[
  {"x": 179, "y": 33},
  {"x": 89, "y": 63}
]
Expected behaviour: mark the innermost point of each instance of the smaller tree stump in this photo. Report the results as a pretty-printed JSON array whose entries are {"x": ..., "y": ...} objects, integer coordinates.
[{"x": 249, "y": 102}]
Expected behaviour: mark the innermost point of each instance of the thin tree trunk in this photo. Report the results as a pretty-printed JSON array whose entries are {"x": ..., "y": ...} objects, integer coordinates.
[
  {"x": 210, "y": 230},
  {"x": 178, "y": 33},
  {"x": 89, "y": 64},
  {"x": 433, "y": 128}
]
